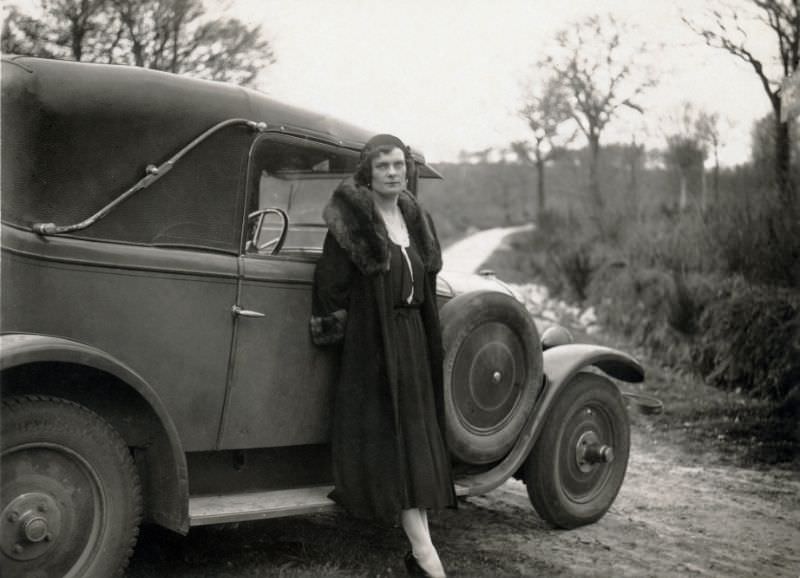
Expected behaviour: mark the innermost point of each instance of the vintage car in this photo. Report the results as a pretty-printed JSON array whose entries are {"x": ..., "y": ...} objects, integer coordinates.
[{"x": 159, "y": 236}]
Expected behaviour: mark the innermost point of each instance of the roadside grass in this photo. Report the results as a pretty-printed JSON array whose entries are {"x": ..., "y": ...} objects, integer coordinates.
[{"x": 714, "y": 425}]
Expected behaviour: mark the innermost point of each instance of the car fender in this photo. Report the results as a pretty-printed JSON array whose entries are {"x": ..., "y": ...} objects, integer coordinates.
[
  {"x": 19, "y": 349},
  {"x": 561, "y": 363}
]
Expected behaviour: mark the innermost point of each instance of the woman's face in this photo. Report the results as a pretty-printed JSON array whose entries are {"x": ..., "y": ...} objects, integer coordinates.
[{"x": 389, "y": 172}]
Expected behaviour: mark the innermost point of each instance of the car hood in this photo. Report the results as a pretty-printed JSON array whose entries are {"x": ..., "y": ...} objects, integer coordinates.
[{"x": 452, "y": 283}]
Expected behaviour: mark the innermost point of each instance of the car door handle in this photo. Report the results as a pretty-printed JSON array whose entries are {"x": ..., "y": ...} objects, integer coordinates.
[{"x": 238, "y": 311}]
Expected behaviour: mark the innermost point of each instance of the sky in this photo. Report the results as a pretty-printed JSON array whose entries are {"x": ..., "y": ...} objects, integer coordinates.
[{"x": 449, "y": 75}]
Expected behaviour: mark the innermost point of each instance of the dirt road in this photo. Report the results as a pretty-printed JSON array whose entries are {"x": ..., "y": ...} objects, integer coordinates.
[
  {"x": 466, "y": 255},
  {"x": 675, "y": 515}
]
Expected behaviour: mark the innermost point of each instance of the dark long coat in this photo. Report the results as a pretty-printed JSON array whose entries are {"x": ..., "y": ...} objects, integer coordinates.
[{"x": 351, "y": 307}]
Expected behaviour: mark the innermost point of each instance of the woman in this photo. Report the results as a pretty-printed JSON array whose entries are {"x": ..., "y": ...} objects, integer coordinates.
[{"x": 375, "y": 294}]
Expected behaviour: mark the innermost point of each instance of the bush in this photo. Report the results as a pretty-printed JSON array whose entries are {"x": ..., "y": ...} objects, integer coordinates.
[
  {"x": 656, "y": 309},
  {"x": 567, "y": 255},
  {"x": 758, "y": 239},
  {"x": 750, "y": 339}
]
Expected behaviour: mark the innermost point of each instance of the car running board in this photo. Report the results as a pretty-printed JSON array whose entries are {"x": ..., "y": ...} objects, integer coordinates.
[{"x": 204, "y": 510}]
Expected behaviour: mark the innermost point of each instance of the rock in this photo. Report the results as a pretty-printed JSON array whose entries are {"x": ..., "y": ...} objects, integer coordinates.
[{"x": 588, "y": 317}]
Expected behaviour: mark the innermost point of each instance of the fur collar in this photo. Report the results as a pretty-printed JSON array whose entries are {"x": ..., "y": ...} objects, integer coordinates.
[{"x": 354, "y": 222}]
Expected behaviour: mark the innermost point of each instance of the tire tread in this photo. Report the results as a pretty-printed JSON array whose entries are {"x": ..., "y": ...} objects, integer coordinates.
[
  {"x": 539, "y": 466},
  {"x": 99, "y": 427}
]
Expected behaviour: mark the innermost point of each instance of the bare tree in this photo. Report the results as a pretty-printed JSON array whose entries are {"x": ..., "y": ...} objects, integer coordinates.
[
  {"x": 81, "y": 18},
  {"x": 686, "y": 147},
  {"x": 170, "y": 35},
  {"x": 22, "y": 34},
  {"x": 598, "y": 71},
  {"x": 727, "y": 31},
  {"x": 546, "y": 109},
  {"x": 708, "y": 128},
  {"x": 683, "y": 153},
  {"x": 633, "y": 156}
]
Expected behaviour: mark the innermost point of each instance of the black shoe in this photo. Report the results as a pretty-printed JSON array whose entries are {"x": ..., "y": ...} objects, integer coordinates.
[{"x": 412, "y": 566}]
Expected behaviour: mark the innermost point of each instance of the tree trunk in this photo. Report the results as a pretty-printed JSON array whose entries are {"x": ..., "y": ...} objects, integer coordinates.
[
  {"x": 633, "y": 184},
  {"x": 783, "y": 179},
  {"x": 683, "y": 199},
  {"x": 540, "y": 184},
  {"x": 506, "y": 204},
  {"x": 77, "y": 44},
  {"x": 715, "y": 189},
  {"x": 703, "y": 189},
  {"x": 594, "y": 171}
]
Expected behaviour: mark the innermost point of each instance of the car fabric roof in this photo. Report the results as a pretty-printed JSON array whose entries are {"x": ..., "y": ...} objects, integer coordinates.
[
  {"x": 89, "y": 85},
  {"x": 76, "y": 126}
]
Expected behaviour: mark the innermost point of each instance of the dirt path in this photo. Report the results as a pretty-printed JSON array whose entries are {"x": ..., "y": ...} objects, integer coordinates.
[
  {"x": 467, "y": 255},
  {"x": 674, "y": 516}
]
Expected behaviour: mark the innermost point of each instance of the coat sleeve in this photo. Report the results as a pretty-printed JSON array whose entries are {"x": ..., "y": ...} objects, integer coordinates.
[{"x": 333, "y": 278}]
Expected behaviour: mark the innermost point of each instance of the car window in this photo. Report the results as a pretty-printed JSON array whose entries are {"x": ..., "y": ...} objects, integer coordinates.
[
  {"x": 198, "y": 204},
  {"x": 298, "y": 177}
]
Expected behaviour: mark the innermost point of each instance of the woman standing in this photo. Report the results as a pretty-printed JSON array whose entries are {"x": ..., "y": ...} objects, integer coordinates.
[{"x": 375, "y": 295}]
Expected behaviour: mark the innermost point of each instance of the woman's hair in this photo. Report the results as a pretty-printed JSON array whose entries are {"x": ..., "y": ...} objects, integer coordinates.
[{"x": 377, "y": 145}]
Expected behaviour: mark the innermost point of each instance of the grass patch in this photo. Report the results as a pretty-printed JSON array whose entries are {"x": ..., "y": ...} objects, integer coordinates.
[
  {"x": 725, "y": 427},
  {"x": 719, "y": 426}
]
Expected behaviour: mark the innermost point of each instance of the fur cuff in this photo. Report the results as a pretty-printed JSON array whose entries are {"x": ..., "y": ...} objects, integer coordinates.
[{"x": 329, "y": 329}]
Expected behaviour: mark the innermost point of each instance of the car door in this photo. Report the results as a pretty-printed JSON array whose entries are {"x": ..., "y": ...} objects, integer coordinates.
[{"x": 280, "y": 388}]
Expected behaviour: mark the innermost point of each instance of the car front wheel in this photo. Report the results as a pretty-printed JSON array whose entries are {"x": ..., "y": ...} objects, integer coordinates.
[
  {"x": 71, "y": 501},
  {"x": 578, "y": 463}
]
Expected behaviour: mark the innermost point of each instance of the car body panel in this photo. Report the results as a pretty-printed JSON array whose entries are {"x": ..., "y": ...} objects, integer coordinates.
[
  {"x": 457, "y": 282},
  {"x": 282, "y": 384},
  {"x": 562, "y": 362},
  {"x": 164, "y": 313},
  {"x": 170, "y": 506}
]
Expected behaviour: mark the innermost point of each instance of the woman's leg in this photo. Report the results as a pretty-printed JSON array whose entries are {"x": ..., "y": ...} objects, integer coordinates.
[
  {"x": 415, "y": 524},
  {"x": 424, "y": 514}
]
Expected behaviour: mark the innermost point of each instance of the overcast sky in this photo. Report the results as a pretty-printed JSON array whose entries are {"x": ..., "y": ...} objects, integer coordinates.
[{"x": 447, "y": 75}]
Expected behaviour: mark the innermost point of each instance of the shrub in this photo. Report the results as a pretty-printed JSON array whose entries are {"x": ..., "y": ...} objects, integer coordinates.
[
  {"x": 567, "y": 255},
  {"x": 575, "y": 266},
  {"x": 756, "y": 238},
  {"x": 655, "y": 309},
  {"x": 750, "y": 340}
]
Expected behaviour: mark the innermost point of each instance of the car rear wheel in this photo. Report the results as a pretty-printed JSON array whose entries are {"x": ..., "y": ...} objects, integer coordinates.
[
  {"x": 71, "y": 501},
  {"x": 492, "y": 374},
  {"x": 578, "y": 463}
]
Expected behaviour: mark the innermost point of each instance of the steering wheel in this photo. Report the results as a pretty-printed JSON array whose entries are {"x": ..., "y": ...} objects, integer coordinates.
[
  {"x": 276, "y": 243},
  {"x": 270, "y": 243}
]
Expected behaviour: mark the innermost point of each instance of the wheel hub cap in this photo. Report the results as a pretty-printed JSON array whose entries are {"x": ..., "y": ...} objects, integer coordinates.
[
  {"x": 590, "y": 451},
  {"x": 31, "y": 524},
  {"x": 488, "y": 378}
]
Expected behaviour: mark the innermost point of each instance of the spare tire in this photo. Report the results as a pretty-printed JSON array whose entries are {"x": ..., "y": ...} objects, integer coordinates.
[{"x": 492, "y": 373}]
